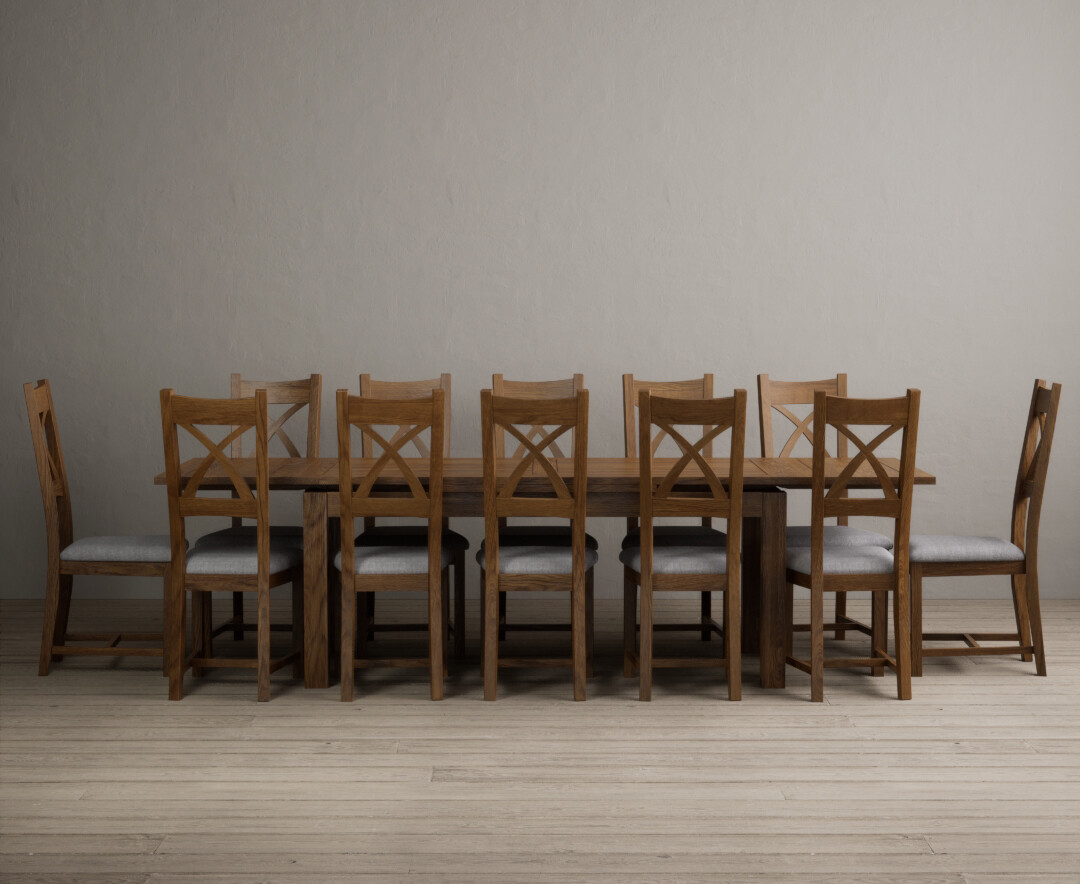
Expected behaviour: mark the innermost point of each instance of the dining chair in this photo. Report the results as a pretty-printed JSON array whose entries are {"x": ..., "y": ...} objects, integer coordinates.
[
  {"x": 138, "y": 555},
  {"x": 392, "y": 567},
  {"x": 550, "y": 564},
  {"x": 674, "y": 566},
  {"x": 781, "y": 397},
  {"x": 229, "y": 564},
  {"x": 849, "y": 568},
  {"x": 946, "y": 555},
  {"x": 296, "y": 396},
  {"x": 537, "y": 534},
  {"x": 697, "y": 388},
  {"x": 415, "y": 534}
]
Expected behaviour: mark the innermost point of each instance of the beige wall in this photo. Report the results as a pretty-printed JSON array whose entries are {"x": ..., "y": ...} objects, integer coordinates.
[{"x": 887, "y": 189}]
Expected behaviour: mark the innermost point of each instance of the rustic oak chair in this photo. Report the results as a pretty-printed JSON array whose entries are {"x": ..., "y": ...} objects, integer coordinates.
[
  {"x": 537, "y": 534},
  {"x": 781, "y": 396},
  {"x": 935, "y": 555},
  {"x": 416, "y": 534},
  {"x": 296, "y": 395},
  {"x": 228, "y": 564},
  {"x": 129, "y": 556},
  {"x": 674, "y": 566},
  {"x": 680, "y": 535},
  {"x": 843, "y": 568},
  {"x": 551, "y": 564},
  {"x": 392, "y": 567}
]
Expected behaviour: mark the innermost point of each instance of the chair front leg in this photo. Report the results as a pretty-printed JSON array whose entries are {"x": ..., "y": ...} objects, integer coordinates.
[
  {"x": 879, "y": 629},
  {"x": 491, "y": 635},
  {"x": 841, "y": 615},
  {"x": 590, "y": 632},
  {"x": 629, "y": 635},
  {"x": 706, "y": 616},
  {"x": 459, "y": 605}
]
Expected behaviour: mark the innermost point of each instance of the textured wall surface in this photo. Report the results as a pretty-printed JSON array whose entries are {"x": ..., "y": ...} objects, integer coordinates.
[{"x": 890, "y": 189}]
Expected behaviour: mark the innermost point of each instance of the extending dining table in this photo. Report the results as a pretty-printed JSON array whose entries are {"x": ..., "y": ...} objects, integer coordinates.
[{"x": 613, "y": 489}]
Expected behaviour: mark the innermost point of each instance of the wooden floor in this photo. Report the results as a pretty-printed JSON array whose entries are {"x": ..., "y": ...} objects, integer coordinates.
[{"x": 975, "y": 780}]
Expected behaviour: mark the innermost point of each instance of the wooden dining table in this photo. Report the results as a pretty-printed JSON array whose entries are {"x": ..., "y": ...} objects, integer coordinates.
[{"x": 613, "y": 491}]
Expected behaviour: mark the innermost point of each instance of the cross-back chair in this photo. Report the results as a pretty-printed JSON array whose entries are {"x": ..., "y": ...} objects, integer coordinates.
[
  {"x": 129, "y": 556},
  {"x": 510, "y": 491},
  {"x": 779, "y": 398},
  {"x": 674, "y": 566},
  {"x": 232, "y": 564},
  {"x": 697, "y": 388},
  {"x": 563, "y": 388},
  {"x": 294, "y": 396},
  {"x": 374, "y": 534},
  {"x": 392, "y": 567},
  {"x": 937, "y": 555},
  {"x": 867, "y": 424}
]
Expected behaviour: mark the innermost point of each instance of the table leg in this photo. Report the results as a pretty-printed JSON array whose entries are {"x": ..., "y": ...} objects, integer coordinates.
[
  {"x": 775, "y": 640},
  {"x": 316, "y": 648}
]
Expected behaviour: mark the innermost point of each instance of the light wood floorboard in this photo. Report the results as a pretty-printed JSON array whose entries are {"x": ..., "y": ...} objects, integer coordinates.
[{"x": 974, "y": 781}]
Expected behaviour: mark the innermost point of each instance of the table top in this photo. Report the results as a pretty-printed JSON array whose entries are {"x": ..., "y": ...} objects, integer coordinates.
[{"x": 611, "y": 474}]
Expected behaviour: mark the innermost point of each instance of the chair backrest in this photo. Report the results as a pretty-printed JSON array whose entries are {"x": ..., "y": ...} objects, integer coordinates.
[
  {"x": 370, "y": 389},
  {"x": 561, "y": 389},
  {"x": 779, "y": 396},
  {"x": 294, "y": 394},
  {"x": 1034, "y": 460},
  {"x": 849, "y": 417},
  {"x": 551, "y": 496},
  {"x": 403, "y": 492},
  {"x": 698, "y": 388},
  {"x": 52, "y": 475},
  {"x": 661, "y": 496},
  {"x": 249, "y": 500}
]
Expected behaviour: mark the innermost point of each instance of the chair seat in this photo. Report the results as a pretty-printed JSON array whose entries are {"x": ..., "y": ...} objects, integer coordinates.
[
  {"x": 405, "y": 535},
  {"x": 540, "y": 535},
  {"x": 392, "y": 559},
  {"x": 241, "y": 557},
  {"x": 844, "y": 560},
  {"x": 678, "y": 535},
  {"x": 699, "y": 559},
  {"x": 125, "y": 548},
  {"x": 293, "y": 534},
  {"x": 537, "y": 559},
  {"x": 953, "y": 548},
  {"x": 798, "y": 536}
]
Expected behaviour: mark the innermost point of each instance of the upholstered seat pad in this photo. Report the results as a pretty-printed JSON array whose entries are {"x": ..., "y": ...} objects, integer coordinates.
[
  {"x": 124, "y": 548},
  {"x": 798, "y": 536},
  {"x": 397, "y": 535},
  {"x": 956, "y": 548},
  {"x": 392, "y": 559},
  {"x": 292, "y": 535},
  {"x": 679, "y": 559},
  {"x": 678, "y": 535},
  {"x": 540, "y": 535},
  {"x": 537, "y": 559},
  {"x": 241, "y": 558},
  {"x": 844, "y": 560}
]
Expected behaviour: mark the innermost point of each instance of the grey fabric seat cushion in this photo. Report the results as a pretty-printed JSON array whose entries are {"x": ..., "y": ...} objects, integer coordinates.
[
  {"x": 679, "y": 559},
  {"x": 540, "y": 535},
  {"x": 678, "y": 535},
  {"x": 397, "y": 535},
  {"x": 241, "y": 557},
  {"x": 954, "y": 548},
  {"x": 393, "y": 559},
  {"x": 537, "y": 559},
  {"x": 293, "y": 535},
  {"x": 837, "y": 535},
  {"x": 125, "y": 548},
  {"x": 844, "y": 560}
]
